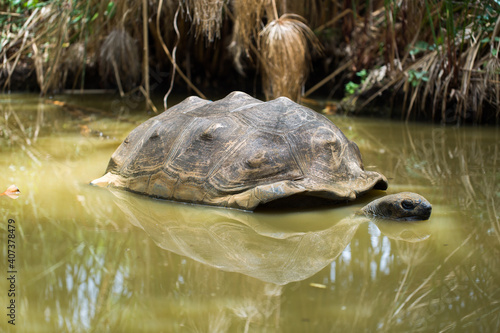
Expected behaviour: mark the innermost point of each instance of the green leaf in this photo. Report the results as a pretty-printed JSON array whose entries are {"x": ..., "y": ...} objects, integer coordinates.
[
  {"x": 32, "y": 4},
  {"x": 351, "y": 88},
  {"x": 420, "y": 46},
  {"x": 415, "y": 78},
  {"x": 110, "y": 10},
  {"x": 77, "y": 19},
  {"x": 362, "y": 73},
  {"x": 110, "y": 6}
]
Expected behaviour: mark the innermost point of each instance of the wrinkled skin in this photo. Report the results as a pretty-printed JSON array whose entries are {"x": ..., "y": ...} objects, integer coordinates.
[{"x": 404, "y": 206}]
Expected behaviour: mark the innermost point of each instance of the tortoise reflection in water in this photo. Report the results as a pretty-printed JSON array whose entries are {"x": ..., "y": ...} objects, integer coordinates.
[
  {"x": 276, "y": 249},
  {"x": 240, "y": 152}
]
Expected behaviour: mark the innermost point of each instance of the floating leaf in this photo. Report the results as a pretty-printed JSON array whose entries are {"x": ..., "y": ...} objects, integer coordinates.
[{"x": 12, "y": 192}]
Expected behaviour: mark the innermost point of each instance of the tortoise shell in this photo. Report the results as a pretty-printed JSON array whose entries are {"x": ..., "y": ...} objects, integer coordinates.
[{"x": 240, "y": 152}]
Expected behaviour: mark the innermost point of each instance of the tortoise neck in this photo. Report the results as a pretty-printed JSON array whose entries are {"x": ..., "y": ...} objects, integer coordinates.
[{"x": 368, "y": 210}]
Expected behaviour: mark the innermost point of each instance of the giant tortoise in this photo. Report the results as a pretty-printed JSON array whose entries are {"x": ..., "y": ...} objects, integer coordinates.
[{"x": 240, "y": 152}]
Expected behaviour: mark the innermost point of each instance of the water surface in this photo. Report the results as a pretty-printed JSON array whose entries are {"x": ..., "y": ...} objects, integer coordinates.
[{"x": 89, "y": 259}]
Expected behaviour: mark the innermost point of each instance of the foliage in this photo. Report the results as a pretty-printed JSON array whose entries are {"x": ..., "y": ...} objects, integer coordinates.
[
  {"x": 352, "y": 88},
  {"x": 440, "y": 55},
  {"x": 416, "y": 77},
  {"x": 437, "y": 54}
]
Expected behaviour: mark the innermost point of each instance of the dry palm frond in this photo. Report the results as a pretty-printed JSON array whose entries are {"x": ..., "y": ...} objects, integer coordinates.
[
  {"x": 456, "y": 98},
  {"x": 74, "y": 57},
  {"x": 285, "y": 46},
  {"x": 454, "y": 79},
  {"x": 492, "y": 84},
  {"x": 247, "y": 19},
  {"x": 207, "y": 16},
  {"x": 38, "y": 63},
  {"x": 58, "y": 34},
  {"x": 119, "y": 55}
]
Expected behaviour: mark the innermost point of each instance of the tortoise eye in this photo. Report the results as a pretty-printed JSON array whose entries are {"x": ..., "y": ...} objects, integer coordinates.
[{"x": 407, "y": 204}]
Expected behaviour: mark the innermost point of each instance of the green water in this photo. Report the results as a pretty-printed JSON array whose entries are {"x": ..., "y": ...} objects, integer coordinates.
[{"x": 88, "y": 259}]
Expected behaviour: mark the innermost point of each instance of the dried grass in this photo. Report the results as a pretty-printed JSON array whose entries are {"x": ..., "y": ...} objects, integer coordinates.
[
  {"x": 458, "y": 95},
  {"x": 462, "y": 73},
  {"x": 452, "y": 80},
  {"x": 206, "y": 16},
  {"x": 285, "y": 46},
  {"x": 75, "y": 57},
  {"x": 119, "y": 57},
  {"x": 58, "y": 35},
  {"x": 247, "y": 17}
]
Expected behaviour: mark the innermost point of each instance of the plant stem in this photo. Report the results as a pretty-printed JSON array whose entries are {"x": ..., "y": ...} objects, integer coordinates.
[
  {"x": 431, "y": 23},
  {"x": 145, "y": 59},
  {"x": 275, "y": 10}
]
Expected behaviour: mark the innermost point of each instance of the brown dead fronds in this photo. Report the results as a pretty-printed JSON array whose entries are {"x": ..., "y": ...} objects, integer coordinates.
[
  {"x": 247, "y": 20},
  {"x": 119, "y": 57},
  {"x": 59, "y": 36},
  {"x": 206, "y": 16},
  {"x": 285, "y": 45},
  {"x": 453, "y": 95},
  {"x": 443, "y": 56},
  {"x": 75, "y": 57},
  {"x": 454, "y": 77}
]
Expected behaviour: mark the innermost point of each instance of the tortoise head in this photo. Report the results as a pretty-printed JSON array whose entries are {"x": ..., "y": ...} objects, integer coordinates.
[{"x": 405, "y": 206}]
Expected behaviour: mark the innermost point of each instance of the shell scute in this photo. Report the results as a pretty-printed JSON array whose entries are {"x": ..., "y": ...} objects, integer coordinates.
[
  {"x": 279, "y": 116},
  {"x": 148, "y": 147},
  {"x": 267, "y": 160},
  {"x": 189, "y": 104},
  {"x": 202, "y": 148},
  {"x": 233, "y": 101}
]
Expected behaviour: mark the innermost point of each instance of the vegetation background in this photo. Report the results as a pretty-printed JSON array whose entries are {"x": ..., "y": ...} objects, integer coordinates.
[{"x": 430, "y": 59}]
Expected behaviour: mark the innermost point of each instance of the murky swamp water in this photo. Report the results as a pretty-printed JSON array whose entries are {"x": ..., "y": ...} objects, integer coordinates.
[{"x": 89, "y": 259}]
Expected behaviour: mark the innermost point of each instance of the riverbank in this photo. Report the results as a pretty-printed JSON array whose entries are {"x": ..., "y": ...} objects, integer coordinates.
[{"x": 422, "y": 60}]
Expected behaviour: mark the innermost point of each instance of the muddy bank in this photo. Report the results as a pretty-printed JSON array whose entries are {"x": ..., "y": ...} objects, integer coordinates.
[{"x": 436, "y": 62}]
